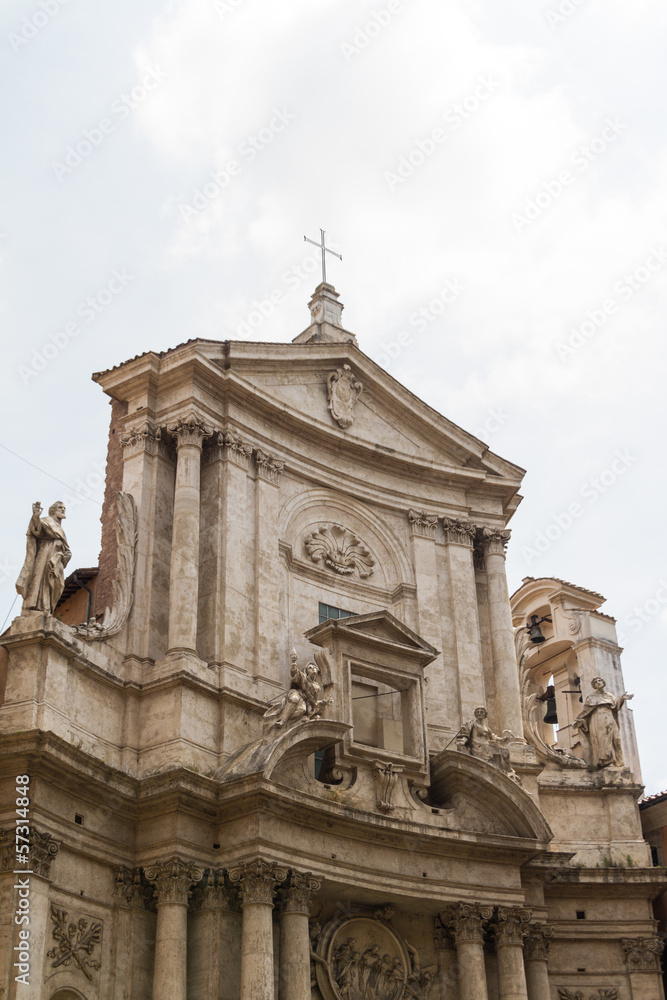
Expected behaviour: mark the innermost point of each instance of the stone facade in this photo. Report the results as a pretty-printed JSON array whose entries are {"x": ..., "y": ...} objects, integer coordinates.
[{"x": 265, "y": 771}]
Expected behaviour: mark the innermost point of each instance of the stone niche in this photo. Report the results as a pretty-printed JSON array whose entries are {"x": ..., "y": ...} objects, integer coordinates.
[{"x": 377, "y": 674}]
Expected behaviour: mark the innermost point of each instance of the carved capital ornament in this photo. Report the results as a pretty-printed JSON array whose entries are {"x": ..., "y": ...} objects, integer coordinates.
[
  {"x": 189, "y": 431},
  {"x": 459, "y": 532},
  {"x": 643, "y": 953},
  {"x": 512, "y": 926},
  {"x": 258, "y": 881},
  {"x": 467, "y": 922},
  {"x": 173, "y": 880},
  {"x": 422, "y": 524},
  {"x": 537, "y": 942},
  {"x": 296, "y": 896}
]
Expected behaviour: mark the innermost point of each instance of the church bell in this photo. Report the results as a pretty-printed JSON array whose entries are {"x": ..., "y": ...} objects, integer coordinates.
[
  {"x": 551, "y": 715},
  {"x": 534, "y": 630}
]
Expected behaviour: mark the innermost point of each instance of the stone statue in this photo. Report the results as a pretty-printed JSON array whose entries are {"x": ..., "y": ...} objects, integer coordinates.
[
  {"x": 477, "y": 739},
  {"x": 420, "y": 979},
  {"x": 302, "y": 701},
  {"x": 598, "y": 725},
  {"x": 42, "y": 579}
]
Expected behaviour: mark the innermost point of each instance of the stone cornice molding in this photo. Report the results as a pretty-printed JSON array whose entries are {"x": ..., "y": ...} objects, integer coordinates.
[
  {"x": 458, "y": 531},
  {"x": 642, "y": 954},
  {"x": 422, "y": 524},
  {"x": 189, "y": 431},
  {"x": 495, "y": 540},
  {"x": 173, "y": 880},
  {"x": 268, "y": 467},
  {"x": 537, "y": 943},
  {"x": 258, "y": 881},
  {"x": 512, "y": 926},
  {"x": 467, "y": 922},
  {"x": 295, "y": 897}
]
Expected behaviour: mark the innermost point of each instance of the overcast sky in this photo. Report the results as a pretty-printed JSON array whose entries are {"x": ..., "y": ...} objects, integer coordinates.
[{"x": 494, "y": 175}]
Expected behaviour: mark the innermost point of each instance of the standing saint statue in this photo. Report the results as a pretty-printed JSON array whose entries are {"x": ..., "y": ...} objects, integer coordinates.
[
  {"x": 42, "y": 579},
  {"x": 597, "y": 723}
]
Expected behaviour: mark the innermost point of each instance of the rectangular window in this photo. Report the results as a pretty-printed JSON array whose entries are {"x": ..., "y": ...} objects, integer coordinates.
[{"x": 326, "y": 611}]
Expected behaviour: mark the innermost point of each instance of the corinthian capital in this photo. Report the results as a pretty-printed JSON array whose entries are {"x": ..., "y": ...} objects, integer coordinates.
[
  {"x": 459, "y": 532},
  {"x": 643, "y": 953},
  {"x": 536, "y": 945},
  {"x": 257, "y": 881},
  {"x": 173, "y": 880},
  {"x": 296, "y": 895},
  {"x": 495, "y": 540},
  {"x": 467, "y": 921},
  {"x": 512, "y": 925},
  {"x": 190, "y": 430},
  {"x": 422, "y": 523}
]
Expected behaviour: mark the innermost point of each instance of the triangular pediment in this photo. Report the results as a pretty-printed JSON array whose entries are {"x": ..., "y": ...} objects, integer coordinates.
[{"x": 381, "y": 626}]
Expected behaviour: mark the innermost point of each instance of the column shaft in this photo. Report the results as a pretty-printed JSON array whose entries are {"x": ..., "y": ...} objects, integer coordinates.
[
  {"x": 184, "y": 570},
  {"x": 171, "y": 942},
  {"x": 511, "y": 974},
  {"x": 430, "y": 620},
  {"x": 459, "y": 535},
  {"x": 537, "y": 979},
  {"x": 294, "y": 957},
  {"x": 506, "y": 672},
  {"x": 257, "y": 952},
  {"x": 472, "y": 971}
]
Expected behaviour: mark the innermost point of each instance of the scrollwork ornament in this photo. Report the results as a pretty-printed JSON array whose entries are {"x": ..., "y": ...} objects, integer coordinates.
[
  {"x": 43, "y": 850},
  {"x": 296, "y": 895},
  {"x": 339, "y": 549},
  {"x": 643, "y": 953},
  {"x": 538, "y": 941},
  {"x": 467, "y": 921},
  {"x": 173, "y": 880},
  {"x": 343, "y": 389},
  {"x": 258, "y": 881},
  {"x": 189, "y": 430},
  {"x": 512, "y": 925}
]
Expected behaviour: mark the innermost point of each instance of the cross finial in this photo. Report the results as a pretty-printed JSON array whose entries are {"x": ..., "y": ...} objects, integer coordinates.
[{"x": 325, "y": 250}]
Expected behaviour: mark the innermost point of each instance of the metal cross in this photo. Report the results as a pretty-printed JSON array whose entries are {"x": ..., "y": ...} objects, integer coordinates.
[{"x": 325, "y": 250}]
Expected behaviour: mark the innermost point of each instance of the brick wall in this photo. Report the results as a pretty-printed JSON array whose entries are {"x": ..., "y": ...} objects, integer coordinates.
[{"x": 114, "y": 483}]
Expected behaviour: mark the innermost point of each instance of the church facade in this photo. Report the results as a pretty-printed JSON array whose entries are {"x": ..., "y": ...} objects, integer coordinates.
[{"x": 299, "y": 749}]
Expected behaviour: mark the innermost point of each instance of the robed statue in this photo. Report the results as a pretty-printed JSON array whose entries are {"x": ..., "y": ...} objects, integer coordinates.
[
  {"x": 42, "y": 579},
  {"x": 597, "y": 723},
  {"x": 304, "y": 699}
]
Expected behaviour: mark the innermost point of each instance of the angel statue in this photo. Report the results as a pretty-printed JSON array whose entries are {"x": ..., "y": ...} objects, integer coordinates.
[
  {"x": 597, "y": 724},
  {"x": 302, "y": 701},
  {"x": 42, "y": 579},
  {"x": 477, "y": 739}
]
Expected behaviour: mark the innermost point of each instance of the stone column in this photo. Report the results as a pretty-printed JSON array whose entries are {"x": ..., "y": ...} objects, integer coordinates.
[
  {"x": 467, "y": 923},
  {"x": 184, "y": 571},
  {"x": 510, "y": 930},
  {"x": 257, "y": 882},
  {"x": 506, "y": 672},
  {"x": 214, "y": 940},
  {"x": 172, "y": 880},
  {"x": 536, "y": 957},
  {"x": 459, "y": 536},
  {"x": 295, "y": 936}
]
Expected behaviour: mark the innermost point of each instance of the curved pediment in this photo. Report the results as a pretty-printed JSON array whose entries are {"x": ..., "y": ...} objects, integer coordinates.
[
  {"x": 263, "y": 756},
  {"x": 478, "y": 798}
]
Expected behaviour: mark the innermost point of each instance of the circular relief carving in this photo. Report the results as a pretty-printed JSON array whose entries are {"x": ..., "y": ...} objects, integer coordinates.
[{"x": 365, "y": 960}]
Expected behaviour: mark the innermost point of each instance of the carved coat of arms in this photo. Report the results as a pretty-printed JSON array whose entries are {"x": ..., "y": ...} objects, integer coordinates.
[{"x": 343, "y": 388}]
